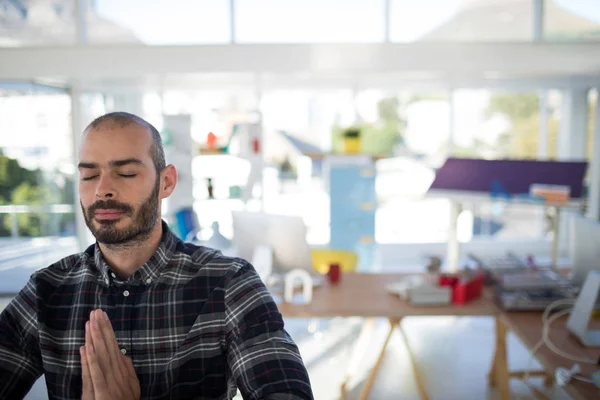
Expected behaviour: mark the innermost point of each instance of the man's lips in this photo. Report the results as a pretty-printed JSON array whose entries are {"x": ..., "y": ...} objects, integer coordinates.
[{"x": 108, "y": 214}]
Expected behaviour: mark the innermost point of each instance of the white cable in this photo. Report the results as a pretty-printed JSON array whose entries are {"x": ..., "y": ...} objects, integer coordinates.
[
  {"x": 540, "y": 343},
  {"x": 547, "y": 321},
  {"x": 551, "y": 346},
  {"x": 583, "y": 379}
]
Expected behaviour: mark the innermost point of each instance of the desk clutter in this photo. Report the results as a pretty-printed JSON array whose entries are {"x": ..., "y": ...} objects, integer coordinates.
[
  {"x": 439, "y": 289},
  {"x": 532, "y": 290},
  {"x": 522, "y": 285},
  {"x": 298, "y": 280}
]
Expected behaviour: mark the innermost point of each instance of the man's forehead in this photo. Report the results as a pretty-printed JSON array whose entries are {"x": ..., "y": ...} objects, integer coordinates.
[
  {"x": 128, "y": 132},
  {"x": 116, "y": 143}
]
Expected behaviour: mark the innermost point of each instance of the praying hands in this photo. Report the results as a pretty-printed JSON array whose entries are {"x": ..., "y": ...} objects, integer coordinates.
[{"x": 107, "y": 374}]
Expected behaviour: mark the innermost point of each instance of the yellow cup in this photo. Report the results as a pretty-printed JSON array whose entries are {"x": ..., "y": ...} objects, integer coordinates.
[
  {"x": 322, "y": 258},
  {"x": 351, "y": 145}
]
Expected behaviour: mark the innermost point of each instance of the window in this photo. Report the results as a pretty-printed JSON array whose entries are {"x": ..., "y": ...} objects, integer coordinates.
[
  {"x": 27, "y": 23},
  {"x": 497, "y": 124},
  {"x": 160, "y": 22},
  {"x": 37, "y": 184},
  {"x": 309, "y": 21},
  {"x": 571, "y": 20},
  {"x": 592, "y": 119},
  {"x": 404, "y": 214},
  {"x": 461, "y": 20}
]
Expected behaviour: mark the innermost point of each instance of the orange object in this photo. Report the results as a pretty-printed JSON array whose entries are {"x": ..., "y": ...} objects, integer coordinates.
[
  {"x": 553, "y": 194},
  {"x": 211, "y": 140}
]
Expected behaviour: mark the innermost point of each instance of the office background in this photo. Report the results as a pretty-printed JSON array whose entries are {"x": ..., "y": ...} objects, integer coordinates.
[{"x": 426, "y": 80}]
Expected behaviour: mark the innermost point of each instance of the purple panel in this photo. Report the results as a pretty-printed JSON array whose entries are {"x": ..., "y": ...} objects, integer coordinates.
[{"x": 515, "y": 176}]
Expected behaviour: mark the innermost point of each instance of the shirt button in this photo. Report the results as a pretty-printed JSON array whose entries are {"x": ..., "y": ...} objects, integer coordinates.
[
  {"x": 126, "y": 293},
  {"x": 148, "y": 281},
  {"x": 107, "y": 281},
  {"x": 113, "y": 275},
  {"x": 124, "y": 351}
]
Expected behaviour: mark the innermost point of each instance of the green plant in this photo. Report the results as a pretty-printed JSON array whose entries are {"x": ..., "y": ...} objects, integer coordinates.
[{"x": 351, "y": 132}]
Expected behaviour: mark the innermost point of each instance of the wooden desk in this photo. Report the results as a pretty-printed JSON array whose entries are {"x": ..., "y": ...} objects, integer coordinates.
[
  {"x": 528, "y": 328},
  {"x": 365, "y": 295}
]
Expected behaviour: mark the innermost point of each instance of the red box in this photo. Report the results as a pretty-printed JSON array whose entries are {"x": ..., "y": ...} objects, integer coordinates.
[{"x": 463, "y": 292}]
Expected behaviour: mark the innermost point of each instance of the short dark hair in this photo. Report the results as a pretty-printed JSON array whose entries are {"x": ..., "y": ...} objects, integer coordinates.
[{"x": 122, "y": 119}]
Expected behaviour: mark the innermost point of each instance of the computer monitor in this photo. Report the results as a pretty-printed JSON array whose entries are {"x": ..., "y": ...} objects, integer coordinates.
[
  {"x": 584, "y": 247},
  {"x": 286, "y": 235}
]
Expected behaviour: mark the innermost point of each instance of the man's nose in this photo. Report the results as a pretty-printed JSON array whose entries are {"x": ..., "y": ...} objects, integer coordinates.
[{"x": 105, "y": 188}]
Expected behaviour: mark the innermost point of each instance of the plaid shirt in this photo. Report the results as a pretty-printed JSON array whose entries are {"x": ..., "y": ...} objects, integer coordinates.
[{"x": 195, "y": 323}]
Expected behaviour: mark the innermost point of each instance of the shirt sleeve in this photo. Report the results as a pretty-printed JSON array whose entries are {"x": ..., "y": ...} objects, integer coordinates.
[
  {"x": 21, "y": 358},
  {"x": 263, "y": 358}
]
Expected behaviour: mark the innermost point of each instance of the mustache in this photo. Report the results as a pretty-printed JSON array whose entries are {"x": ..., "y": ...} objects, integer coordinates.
[{"x": 109, "y": 204}]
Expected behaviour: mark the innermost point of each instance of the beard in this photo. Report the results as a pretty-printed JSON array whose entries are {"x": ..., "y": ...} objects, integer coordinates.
[{"x": 144, "y": 220}]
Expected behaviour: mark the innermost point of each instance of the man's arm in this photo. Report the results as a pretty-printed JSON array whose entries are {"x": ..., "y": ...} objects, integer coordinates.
[
  {"x": 263, "y": 358},
  {"x": 21, "y": 360}
]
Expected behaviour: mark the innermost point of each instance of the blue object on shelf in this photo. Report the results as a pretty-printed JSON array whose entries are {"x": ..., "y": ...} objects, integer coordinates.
[
  {"x": 498, "y": 190},
  {"x": 234, "y": 132},
  {"x": 186, "y": 223},
  {"x": 352, "y": 207}
]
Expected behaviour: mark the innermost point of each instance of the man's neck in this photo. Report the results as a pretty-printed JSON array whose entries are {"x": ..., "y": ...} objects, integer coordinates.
[{"x": 127, "y": 259}]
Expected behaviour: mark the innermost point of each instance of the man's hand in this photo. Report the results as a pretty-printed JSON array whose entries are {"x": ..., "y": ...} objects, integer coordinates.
[{"x": 107, "y": 374}]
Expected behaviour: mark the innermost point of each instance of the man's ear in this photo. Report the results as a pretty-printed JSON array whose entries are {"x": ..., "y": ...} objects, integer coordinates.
[{"x": 168, "y": 181}]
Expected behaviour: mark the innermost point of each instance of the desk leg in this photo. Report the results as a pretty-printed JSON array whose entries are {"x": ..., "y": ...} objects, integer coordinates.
[
  {"x": 357, "y": 353},
  {"x": 499, "y": 375},
  {"x": 371, "y": 379},
  {"x": 415, "y": 367},
  {"x": 492, "y": 373},
  {"x": 549, "y": 381}
]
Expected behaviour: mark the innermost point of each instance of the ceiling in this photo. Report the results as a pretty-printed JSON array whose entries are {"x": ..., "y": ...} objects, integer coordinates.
[{"x": 127, "y": 67}]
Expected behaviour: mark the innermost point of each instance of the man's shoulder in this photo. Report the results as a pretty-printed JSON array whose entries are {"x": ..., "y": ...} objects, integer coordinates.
[
  {"x": 59, "y": 270},
  {"x": 206, "y": 260}
]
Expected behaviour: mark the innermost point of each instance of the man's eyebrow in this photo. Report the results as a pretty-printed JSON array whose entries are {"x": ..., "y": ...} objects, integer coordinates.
[
  {"x": 112, "y": 163},
  {"x": 87, "y": 165},
  {"x": 126, "y": 161}
]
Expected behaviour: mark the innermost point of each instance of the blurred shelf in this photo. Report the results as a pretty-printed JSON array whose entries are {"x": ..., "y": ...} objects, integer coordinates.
[
  {"x": 320, "y": 156},
  {"x": 215, "y": 151},
  {"x": 227, "y": 200}
]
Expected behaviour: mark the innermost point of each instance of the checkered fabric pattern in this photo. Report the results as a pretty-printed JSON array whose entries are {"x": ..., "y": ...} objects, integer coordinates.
[{"x": 197, "y": 325}]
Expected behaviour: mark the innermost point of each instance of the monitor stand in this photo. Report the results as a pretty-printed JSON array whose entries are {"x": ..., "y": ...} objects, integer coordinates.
[{"x": 582, "y": 312}]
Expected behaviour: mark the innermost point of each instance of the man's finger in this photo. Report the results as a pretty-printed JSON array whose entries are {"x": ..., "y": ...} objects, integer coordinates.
[
  {"x": 87, "y": 392},
  {"x": 101, "y": 351},
  {"x": 129, "y": 366},
  {"x": 110, "y": 340},
  {"x": 98, "y": 379},
  {"x": 132, "y": 378},
  {"x": 88, "y": 335}
]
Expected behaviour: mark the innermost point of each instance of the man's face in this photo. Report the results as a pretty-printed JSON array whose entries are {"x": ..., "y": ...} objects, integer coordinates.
[{"x": 119, "y": 187}]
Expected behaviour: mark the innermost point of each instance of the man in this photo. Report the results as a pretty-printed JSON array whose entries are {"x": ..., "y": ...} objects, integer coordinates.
[{"x": 141, "y": 314}]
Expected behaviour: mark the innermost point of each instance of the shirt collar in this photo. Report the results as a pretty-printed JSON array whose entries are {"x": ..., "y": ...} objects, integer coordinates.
[{"x": 149, "y": 272}]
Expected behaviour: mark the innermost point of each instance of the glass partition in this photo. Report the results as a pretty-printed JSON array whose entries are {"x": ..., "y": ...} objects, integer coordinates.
[
  {"x": 159, "y": 22},
  {"x": 37, "y": 220},
  {"x": 309, "y": 21},
  {"x": 571, "y": 20},
  {"x": 35, "y": 23},
  {"x": 461, "y": 20},
  {"x": 177, "y": 22}
]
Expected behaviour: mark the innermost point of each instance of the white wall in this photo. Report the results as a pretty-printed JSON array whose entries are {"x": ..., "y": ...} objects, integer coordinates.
[{"x": 411, "y": 256}]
